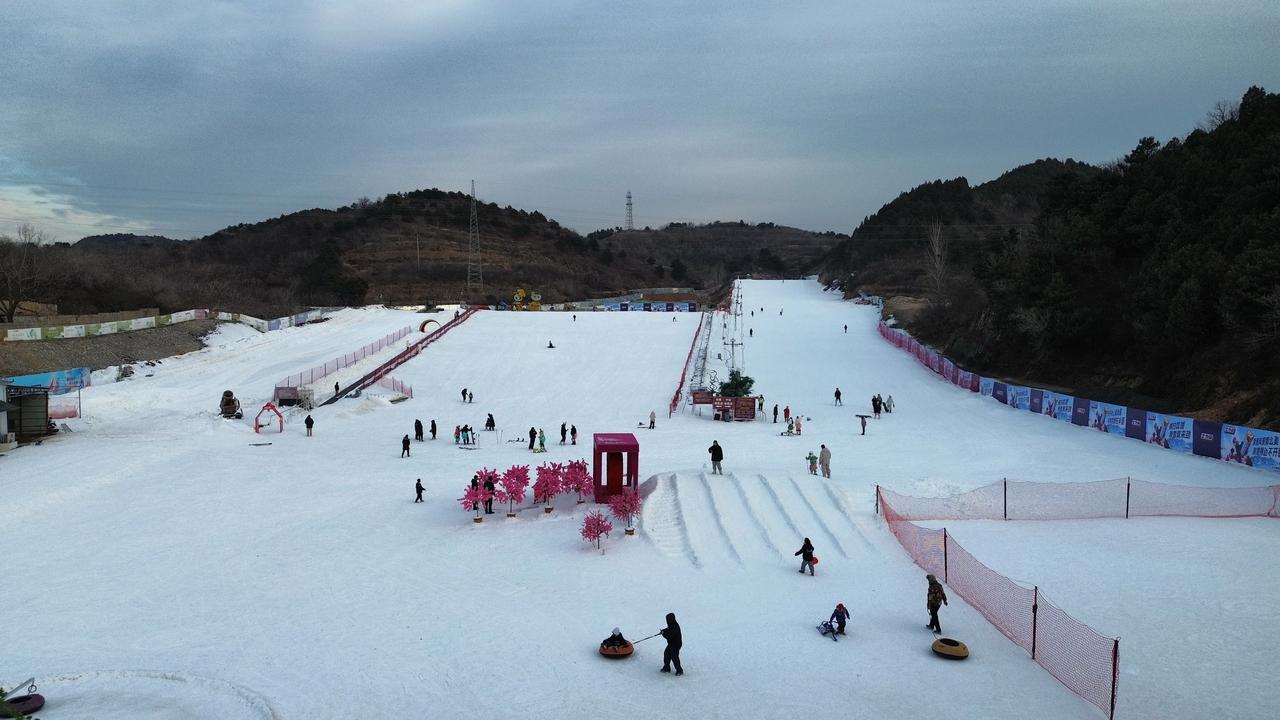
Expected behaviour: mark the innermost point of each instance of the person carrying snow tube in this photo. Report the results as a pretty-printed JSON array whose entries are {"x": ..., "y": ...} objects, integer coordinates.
[
  {"x": 671, "y": 655},
  {"x": 840, "y": 617},
  {"x": 806, "y": 556}
]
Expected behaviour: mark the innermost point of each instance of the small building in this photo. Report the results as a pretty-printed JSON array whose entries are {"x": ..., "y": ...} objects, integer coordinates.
[
  {"x": 27, "y": 411},
  {"x": 615, "y": 478}
]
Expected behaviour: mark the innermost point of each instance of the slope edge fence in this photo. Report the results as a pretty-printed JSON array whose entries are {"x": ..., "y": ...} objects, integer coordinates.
[
  {"x": 1253, "y": 447},
  {"x": 684, "y": 371}
]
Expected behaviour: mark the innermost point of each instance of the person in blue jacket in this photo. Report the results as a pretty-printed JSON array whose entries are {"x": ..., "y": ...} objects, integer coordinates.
[{"x": 840, "y": 617}]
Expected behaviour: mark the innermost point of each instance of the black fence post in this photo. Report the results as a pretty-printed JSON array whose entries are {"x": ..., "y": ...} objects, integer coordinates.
[
  {"x": 944, "y": 555},
  {"x": 1115, "y": 674},
  {"x": 1006, "y": 497},
  {"x": 877, "y": 498},
  {"x": 1128, "y": 483},
  {"x": 1035, "y": 610}
]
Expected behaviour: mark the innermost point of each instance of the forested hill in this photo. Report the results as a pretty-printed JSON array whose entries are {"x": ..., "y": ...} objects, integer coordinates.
[
  {"x": 1154, "y": 280},
  {"x": 412, "y": 247}
]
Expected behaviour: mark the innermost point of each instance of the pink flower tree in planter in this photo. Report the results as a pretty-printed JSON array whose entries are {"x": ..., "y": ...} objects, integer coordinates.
[
  {"x": 512, "y": 486},
  {"x": 578, "y": 479},
  {"x": 473, "y": 498},
  {"x": 594, "y": 526},
  {"x": 548, "y": 484},
  {"x": 626, "y": 506}
]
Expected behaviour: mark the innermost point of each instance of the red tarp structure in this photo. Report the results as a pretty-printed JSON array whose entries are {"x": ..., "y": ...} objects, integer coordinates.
[{"x": 614, "y": 480}]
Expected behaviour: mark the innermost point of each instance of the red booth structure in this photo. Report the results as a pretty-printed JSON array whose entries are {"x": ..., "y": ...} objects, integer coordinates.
[{"x": 613, "y": 481}]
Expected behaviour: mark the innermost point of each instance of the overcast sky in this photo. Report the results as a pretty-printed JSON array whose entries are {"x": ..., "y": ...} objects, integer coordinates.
[{"x": 180, "y": 118}]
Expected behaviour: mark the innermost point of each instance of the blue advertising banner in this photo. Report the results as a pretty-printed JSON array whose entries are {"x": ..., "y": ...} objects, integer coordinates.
[
  {"x": 57, "y": 382},
  {"x": 1000, "y": 392},
  {"x": 985, "y": 386},
  {"x": 1036, "y": 404},
  {"x": 1020, "y": 397},
  {"x": 624, "y": 306},
  {"x": 1205, "y": 438},
  {"x": 1062, "y": 406},
  {"x": 1135, "y": 423},
  {"x": 1247, "y": 446},
  {"x": 1170, "y": 431},
  {"x": 1107, "y": 417},
  {"x": 1080, "y": 411}
]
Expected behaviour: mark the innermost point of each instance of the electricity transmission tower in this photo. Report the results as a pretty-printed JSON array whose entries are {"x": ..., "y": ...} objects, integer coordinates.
[
  {"x": 631, "y": 225},
  {"x": 475, "y": 274}
]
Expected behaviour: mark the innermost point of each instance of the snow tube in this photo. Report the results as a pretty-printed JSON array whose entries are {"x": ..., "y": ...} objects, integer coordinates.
[
  {"x": 21, "y": 705},
  {"x": 815, "y": 559},
  {"x": 616, "y": 653},
  {"x": 950, "y": 649}
]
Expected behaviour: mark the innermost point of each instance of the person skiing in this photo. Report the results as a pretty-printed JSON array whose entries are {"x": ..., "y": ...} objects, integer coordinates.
[
  {"x": 813, "y": 463},
  {"x": 786, "y": 413},
  {"x": 863, "y": 418},
  {"x": 936, "y": 598},
  {"x": 533, "y": 436},
  {"x": 717, "y": 455},
  {"x": 404, "y": 446},
  {"x": 457, "y": 434},
  {"x": 573, "y": 434},
  {"x": 824, "y": 459},
  {"x": 888, "y": 404},
  {"x": 433, "y": 429},
  {"x": 489, "y": 423},
  {"x": 464, "y": 394},
  {"x": 838, "y": 397},
  {"x": 564, "y": 430},
  {"x": 310, "y": 424},
  {"x": 653, "y": 419},
  {"x": 417, "y": 487},
  {"x": 671, "y": 656},
  {"x": 806, "y": 556},
  {"x": 542, "y": 441},
  {"x": 489, "y": 487},
  {"x": 840, "y": 617},
  {"x": 417, "y": 430},
  {"x": 775, "y": 413}
]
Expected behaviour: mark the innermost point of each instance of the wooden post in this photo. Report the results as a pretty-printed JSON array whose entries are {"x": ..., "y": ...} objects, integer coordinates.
[
  {"x": 1128, "y": 482},
  {"x": 1006, "y": 498},
  {"x": 1035, "y": 610},
  {"x": 1115, "y": 674},
  {"x": 944, "y": 555}
]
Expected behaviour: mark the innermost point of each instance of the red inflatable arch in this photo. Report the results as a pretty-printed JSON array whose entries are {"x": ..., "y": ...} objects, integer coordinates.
[{"x": 267, "y": 410}]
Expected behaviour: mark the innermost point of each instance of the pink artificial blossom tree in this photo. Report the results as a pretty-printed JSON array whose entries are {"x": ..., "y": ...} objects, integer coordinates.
[
  {"x": 578, "y": 479},
  {"x": 626, "y": 506},
  {"x": 512, "y": 486},
  {"x": 473, "y": 498},
  {"x": 595, "y": 525},
  {"x": 547, "y": 484}
]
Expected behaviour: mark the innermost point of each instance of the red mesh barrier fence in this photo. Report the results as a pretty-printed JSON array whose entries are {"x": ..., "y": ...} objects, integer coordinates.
[
  {"x": 1019, "y": 500},
  {"x": 1084, "y": 661},
  {"x": 320, "y": 371},
  {"x": 675, "y": 399}
]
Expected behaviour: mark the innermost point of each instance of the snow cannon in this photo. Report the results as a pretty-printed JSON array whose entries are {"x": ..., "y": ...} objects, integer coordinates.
[
  {"x": 230, "y": 406},
  {"x": 950, "y": 649}
]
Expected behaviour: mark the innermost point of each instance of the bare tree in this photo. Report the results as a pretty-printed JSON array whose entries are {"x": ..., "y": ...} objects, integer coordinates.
[
  {"x": 1221, "y": 112},
  {"x": 22, "y": 275},
  {"x": 936, "y": 260}
]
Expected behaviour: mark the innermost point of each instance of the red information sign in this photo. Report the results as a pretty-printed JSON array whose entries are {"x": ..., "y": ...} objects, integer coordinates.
[
  {"x": 702, "y": 397},
  {"x": 744, "y": 408}
]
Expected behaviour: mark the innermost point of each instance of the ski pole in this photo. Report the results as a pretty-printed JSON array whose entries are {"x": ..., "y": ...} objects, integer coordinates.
[{"x": 637, "y": 642}]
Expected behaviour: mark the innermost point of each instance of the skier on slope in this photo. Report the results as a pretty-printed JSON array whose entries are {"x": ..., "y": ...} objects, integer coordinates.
[
  {"x": 806, "y": 556},
  {"x": 936, "y": 598}
]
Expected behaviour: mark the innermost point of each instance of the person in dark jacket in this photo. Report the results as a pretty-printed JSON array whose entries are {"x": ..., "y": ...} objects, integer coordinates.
[
  {"x": 471, "y": 397},
  {"x": 464, "y": 394},
  {"x": 717, "y": 455},
  {"x": 489, "y": 487},
  {"x": 489, "y": 423},
  {"x": 335, "y": 389},
  {"x": 671, "y": 656},
  {"x": 564, "y": 432},
  {"x": 404, "y": 446},
  {"x": 475, "y": 485},
  {"x": 573, "y": 434},
  {"x": 838, "y": 397},
  {"x": 806, "y": 556},
  {"x": 417, "y": 487},
  {"x": 936, "y": 598},
  {"x": 433, "y": 429},
  {"x": 875, "y": 406},
  {"x": 775, "y": 413},
  {"x": 310, "y": 424},
  {"x": 840, "y": 617},
  {"x": 417, "y": 430},
  {"x": 533, "y": 437}
]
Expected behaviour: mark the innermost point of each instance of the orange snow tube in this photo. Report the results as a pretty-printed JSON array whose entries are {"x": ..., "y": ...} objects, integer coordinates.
[
  {"x": 618, "y": 652},
  {"x": 950, "y": 649}
]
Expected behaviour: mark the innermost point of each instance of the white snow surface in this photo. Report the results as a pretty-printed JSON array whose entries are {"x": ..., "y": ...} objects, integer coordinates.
[{"x": 158, "y": 549}]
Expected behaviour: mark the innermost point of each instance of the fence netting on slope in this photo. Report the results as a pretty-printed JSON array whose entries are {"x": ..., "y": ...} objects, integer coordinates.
[
  {"x": 1120, "y": 498},
  {"x": 1082, "y": 659}
]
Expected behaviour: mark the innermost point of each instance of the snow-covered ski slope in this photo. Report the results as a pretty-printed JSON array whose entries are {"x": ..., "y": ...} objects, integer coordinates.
[{"x": 156, "y": 540}]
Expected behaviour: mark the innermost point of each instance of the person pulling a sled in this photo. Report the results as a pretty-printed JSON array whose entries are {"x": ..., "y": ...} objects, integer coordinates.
[
  {"x": 937, "y": 597},
  {"x": 806, "y": 557},
  {"x": 671, "y": 656},
  {"x": 839, "y": 617}
]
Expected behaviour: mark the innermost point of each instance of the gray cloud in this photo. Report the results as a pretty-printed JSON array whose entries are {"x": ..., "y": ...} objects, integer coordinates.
[{"x": 186, "y": 117}]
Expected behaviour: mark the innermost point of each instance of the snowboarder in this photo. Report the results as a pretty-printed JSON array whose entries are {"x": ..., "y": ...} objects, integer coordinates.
[
  {"x": 863, "y": 418},
  {"x": 417, "y": 487},
  {"x": 775, "y": 413},
  {"x": 573, "y": 434},
  {"x": 838, "y": 397},
  {"x": 653, "y": 419},
  {"x": 671, "y": 656},
  {"x": 533, "y": 436},
  {"x": 417, "y": 430},
  {"x": 786, "y": 413},
  {"x": 464, "y": 394},
  {"x": 936, "y": 598},
  {"x": 542, "y": 441},
  {"x": 489, "y": 423},
  {"x": 404, "y": 446},
  {"x": 564, "y": 431},
  {"x": 806, "y": 556},
  {"x": 433, "y": 429},
  {"x": 813, "y": 463},
  {"x": 840, "y": 617},
  {"x": 489, "y": 487},
  {"x": 310, "y": 424},
  {"x": 824, "y": 459},
  {"x": 888, "y": 404},
  {"x": 717, "y": 455}
]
